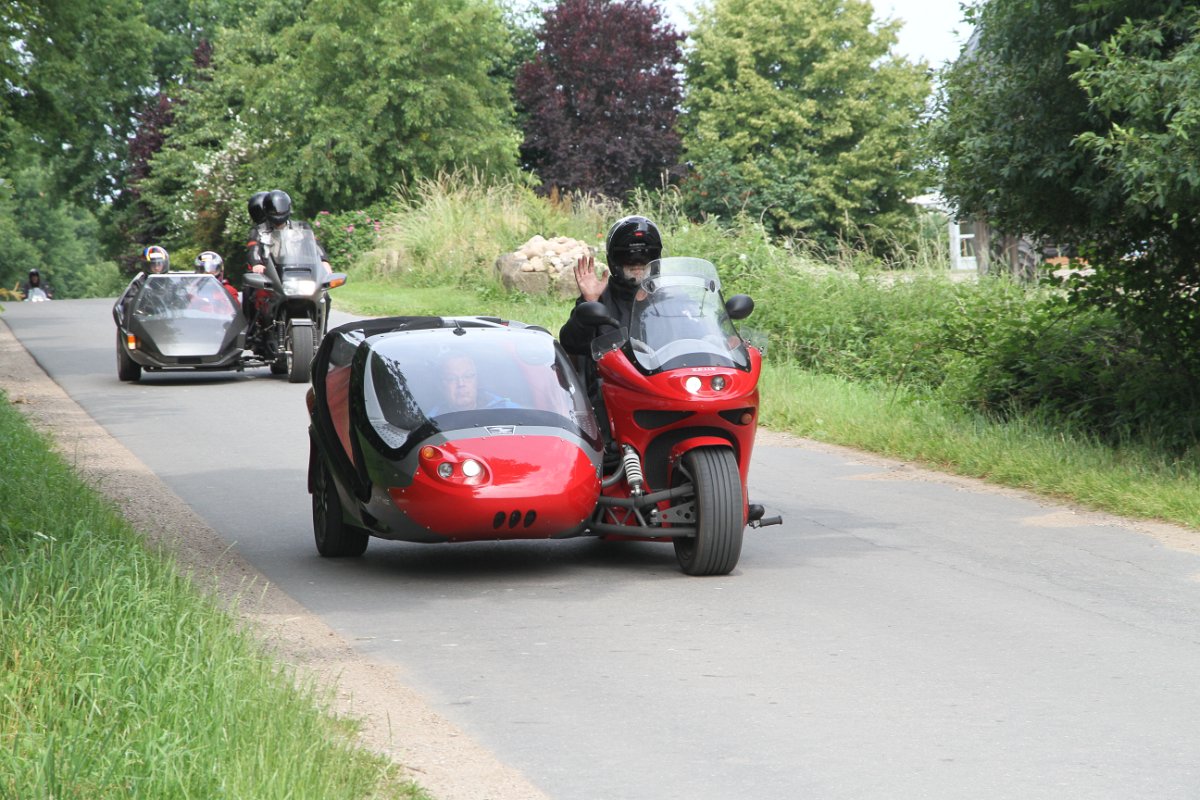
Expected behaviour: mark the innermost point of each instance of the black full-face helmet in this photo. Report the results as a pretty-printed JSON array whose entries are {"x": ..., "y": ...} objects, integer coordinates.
[
  {"x": 631, "y": 240},
  {"x": 278, "y": 206},
  {"x": 35, "y": 276},
  {"x": 258, "y": 214}
]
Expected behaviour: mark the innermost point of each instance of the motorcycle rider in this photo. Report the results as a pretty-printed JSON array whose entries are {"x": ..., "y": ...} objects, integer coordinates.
[
  {"x": 631, "y": 244},
  {"x": 35, "y": 282},
  {"x": 211, "y": 263},
  {"x": 276, "y": 208}
]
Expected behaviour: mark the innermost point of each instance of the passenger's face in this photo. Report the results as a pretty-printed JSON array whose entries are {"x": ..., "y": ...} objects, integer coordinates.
[{"x": 459, "y": 380}]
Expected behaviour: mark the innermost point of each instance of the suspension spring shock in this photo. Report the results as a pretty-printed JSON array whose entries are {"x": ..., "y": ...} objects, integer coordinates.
[{"x": 633, "y": 470}]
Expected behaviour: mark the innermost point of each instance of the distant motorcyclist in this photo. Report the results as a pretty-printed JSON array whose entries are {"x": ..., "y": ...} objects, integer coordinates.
[
  {"x": 35, "y": 282},
  {"x": 211, "y": 263}
]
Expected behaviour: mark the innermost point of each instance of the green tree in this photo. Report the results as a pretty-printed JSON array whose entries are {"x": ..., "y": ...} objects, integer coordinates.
[
  {"x": 1077, "y": 123},
  {"x": 799, "y": 113},
  {"x": 336, "y": 103}
]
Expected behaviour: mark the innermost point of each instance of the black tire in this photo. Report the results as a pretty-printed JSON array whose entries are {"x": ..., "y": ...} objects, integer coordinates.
[
  {"x": 333, "y": 536},
  {"x": 300, "y": 352},
  {"x": 127, "y": 369},
  {"x": 717, "y": 546}
]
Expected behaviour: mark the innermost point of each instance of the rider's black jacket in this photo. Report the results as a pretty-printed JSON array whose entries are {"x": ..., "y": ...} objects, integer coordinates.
[{"x": 576, "y": 339}]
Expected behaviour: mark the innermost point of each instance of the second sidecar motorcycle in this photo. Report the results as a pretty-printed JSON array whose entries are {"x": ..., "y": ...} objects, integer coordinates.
[{"x": 177, "y": 321}]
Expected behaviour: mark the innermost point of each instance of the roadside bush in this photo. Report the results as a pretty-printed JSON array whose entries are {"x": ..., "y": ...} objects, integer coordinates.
[
  {"x": 1081, "y": 367},
  {"x": 348, "y": 235}
]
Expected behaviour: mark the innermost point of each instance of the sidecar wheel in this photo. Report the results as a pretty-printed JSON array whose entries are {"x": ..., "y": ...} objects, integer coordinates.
[
  {"x": 127, "y": 369},
  {"x": 333, "y": 536},
  {"x": 300, "y": 352},
  {"x": 717, "y": 546}
]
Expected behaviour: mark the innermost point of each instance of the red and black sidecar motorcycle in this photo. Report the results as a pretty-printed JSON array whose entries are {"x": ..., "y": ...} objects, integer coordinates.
[{"x": 680, "y": 393}]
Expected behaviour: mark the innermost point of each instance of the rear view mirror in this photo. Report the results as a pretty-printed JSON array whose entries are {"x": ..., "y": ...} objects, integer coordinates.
[
  {"x": 593, "y": 314},
  {"x": 739, "y": 306},
  {"x": 254, "y": 280}
]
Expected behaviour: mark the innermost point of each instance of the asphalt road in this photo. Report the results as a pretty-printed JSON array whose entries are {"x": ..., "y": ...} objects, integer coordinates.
[{"x": 896, "y": 638}]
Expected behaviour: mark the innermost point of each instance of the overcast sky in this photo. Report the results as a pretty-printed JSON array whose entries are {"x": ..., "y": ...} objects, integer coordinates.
[{"x": 933, "y": 29}]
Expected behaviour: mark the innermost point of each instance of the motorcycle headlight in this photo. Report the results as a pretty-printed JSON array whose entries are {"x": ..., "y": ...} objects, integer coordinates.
[{"x": 304, "y": 287}]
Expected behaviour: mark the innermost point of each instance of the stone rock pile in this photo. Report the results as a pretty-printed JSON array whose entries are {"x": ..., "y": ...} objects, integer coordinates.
[{"x": 544, "y": 266}]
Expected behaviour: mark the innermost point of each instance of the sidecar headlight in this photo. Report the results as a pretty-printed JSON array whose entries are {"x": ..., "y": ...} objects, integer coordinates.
[
  {"x": 718, "y": 383},
  {"x": 692, "y": 384},
  {"x": 471, "y": 468},
  {"x": 303, "y": 287},
  {"x": 445, "y": 469}
]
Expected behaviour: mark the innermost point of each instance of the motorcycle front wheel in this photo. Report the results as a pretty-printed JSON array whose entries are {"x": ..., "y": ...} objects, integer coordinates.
[
  {"x": 717, "y": 545},
  {"x": 299, "y": 346}
]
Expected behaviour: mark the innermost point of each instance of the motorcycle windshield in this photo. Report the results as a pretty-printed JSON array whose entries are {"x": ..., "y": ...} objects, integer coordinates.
[
  {"x": 295, "y": 247},
  {"x": 679, "y": 319},
  {"x": 506, "y": 380},
  {"x": 298, "y": 259},
  {"x": 183, "y": 315}
]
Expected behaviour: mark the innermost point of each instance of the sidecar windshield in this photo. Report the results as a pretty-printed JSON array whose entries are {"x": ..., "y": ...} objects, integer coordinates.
[
  {"x": 679, "y": 319},
  {"x": 500, "y": 378},
  {"x": 183, "y": 296}
]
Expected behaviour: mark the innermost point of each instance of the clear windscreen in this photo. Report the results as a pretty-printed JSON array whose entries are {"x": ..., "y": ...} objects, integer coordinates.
[
  {"x": 296, "y": 248},
  {"x": 679, "y": 319},
  {"x": 472, "y": 377},
  {"x": 183, "y": 296}
]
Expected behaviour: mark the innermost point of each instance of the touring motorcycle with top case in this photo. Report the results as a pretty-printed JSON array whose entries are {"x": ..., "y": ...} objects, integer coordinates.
[{"x": 291, "y": 302}]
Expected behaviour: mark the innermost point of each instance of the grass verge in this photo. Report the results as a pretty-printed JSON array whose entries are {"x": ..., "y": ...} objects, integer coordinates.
[
  {"x": 1133, "y": 481},
  {"x": 119, "y": 679}
]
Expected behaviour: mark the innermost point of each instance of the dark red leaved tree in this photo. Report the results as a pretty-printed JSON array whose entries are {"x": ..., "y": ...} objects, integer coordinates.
[{"x": 601, "y": 96}]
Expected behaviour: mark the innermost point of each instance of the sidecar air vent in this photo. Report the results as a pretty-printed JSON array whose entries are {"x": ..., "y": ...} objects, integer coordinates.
[
  {"x": 530, "y": 516},
  {"x": 649, "y": 420},
  {"x": 498, "y": 520},
  {"x": 514, "y": 518}
]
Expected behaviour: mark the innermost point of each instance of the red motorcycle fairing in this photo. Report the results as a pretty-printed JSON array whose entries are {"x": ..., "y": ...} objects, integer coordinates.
[
  {"x": 656, "y": 414},
  {"x": 526, "y": 487}
]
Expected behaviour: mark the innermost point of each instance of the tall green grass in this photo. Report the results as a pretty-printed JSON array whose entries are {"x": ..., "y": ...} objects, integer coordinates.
[{"x": 118, "y": 679}]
